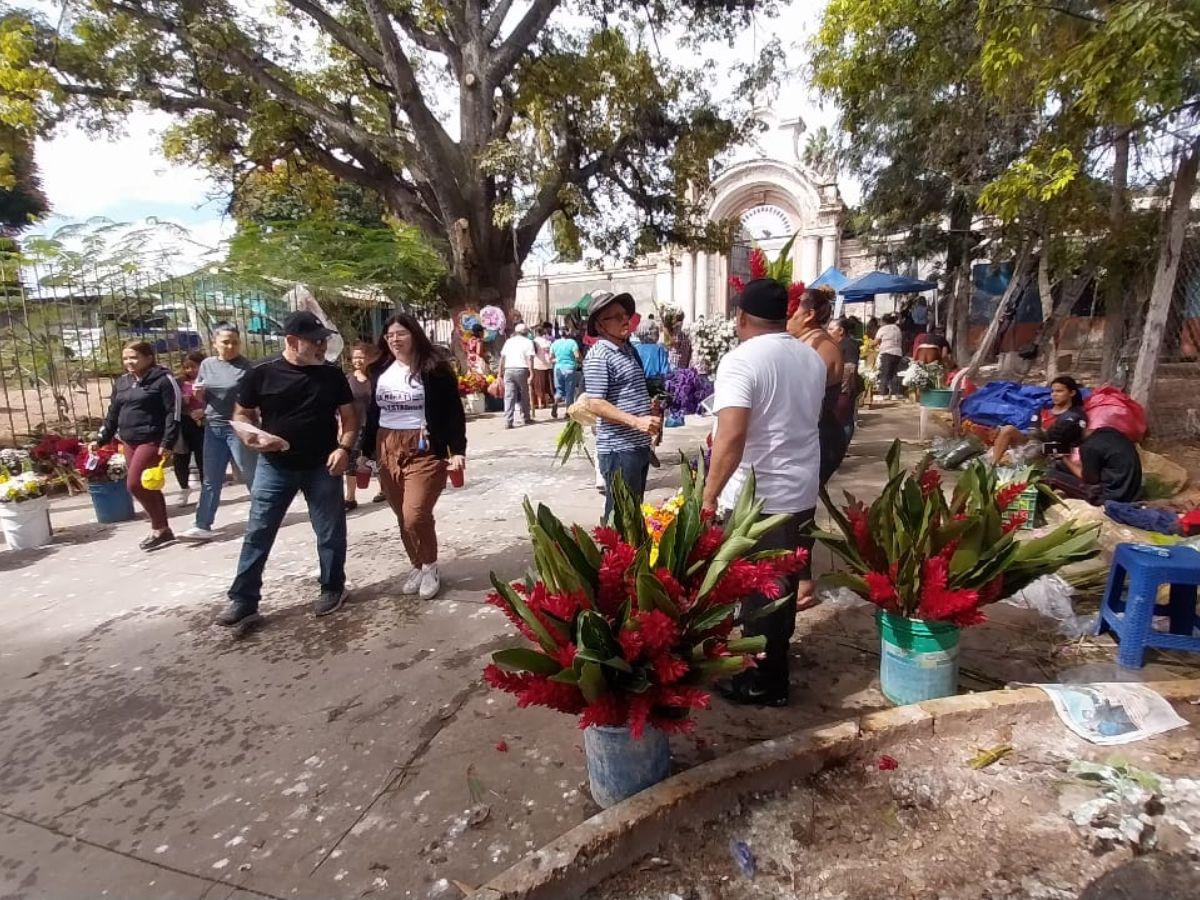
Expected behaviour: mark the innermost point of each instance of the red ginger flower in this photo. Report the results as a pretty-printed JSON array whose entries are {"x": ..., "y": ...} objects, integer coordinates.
[
  {"x": 565, "y": 655},
  {"x": 931, "y": 480},
  {"x": 614, "y": 585},
  {"x": 501, "y": 604},
  {"x": 632, "y": 643},
  {"x": 1006, "y": 495},
  {"x": 682, "y": 697},
  {"x": 938, "y": 602},
  {"x": 669, "y": 669},
  {"x": 606, "y": 537},
  {"x": 882, "y": 591},
  {"x": 541, "y": 691},
  {"x": 639, "y": 713},
  {"x": 659, "y": 631},
  {"x": 795, "y": 294},
  {"x": 503, "y": 680},
  {"x": 707, "y": 544},
  {"x": 605, "y": 710},
  {"x": 737, "y": 284},
  {"x": 1015, "y": 521},
  {"x": 562, "y": 606},
  {"x": 758, "y": 263}
]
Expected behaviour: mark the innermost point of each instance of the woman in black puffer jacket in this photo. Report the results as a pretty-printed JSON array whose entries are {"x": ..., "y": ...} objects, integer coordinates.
[{"x": 144, "y": 414}]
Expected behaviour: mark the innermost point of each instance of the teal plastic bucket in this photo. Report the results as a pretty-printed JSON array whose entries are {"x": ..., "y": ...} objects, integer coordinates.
[
  {"x": 918, "y": 660},
  {"x": 936, "y": 398},
  {"x": 620, "y": 765},
  {"x": 111, "y": 502}
]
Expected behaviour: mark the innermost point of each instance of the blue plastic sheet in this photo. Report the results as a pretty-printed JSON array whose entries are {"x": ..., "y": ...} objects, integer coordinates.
[{"x": 1006, "y": 403}]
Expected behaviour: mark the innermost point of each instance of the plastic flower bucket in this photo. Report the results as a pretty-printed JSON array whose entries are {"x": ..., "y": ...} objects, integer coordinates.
[
  {"x": 620, "y": 765},
  {"x": 111, "y": 501},
  {"x": 26, "y": 525},
  {"x": 918, "y": 660},
  {"x": 936, "y": 398}
]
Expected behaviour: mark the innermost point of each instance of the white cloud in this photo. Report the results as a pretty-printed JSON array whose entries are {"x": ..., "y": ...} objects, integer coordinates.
[{"x": 87, "y": 175}]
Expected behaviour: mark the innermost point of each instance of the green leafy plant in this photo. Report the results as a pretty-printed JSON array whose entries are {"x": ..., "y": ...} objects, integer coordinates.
[{"x": 915, "y": 553}]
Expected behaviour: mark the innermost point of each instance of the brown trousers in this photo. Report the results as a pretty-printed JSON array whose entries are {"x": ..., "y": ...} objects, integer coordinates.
[{"x": 412, "y": 481}]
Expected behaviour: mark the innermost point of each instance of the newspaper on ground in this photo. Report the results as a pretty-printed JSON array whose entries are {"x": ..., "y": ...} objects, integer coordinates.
[{"x": 1112, "y": 712}]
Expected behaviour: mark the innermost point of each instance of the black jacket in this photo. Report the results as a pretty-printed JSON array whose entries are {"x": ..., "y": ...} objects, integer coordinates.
[
  {"x": 445, "y": 420},
  {"x": 145, "y": 411}
]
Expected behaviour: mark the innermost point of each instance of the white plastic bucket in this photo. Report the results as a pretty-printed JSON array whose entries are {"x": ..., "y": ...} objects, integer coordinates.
[{"x": 26, "y": 525}]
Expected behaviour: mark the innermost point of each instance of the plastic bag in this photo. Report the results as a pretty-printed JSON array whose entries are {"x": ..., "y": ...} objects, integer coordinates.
[
  {"x": 496, "y": 389},
  {"x": 1108, "y": 407},
  {"x": 951, "y": 453},
  {"x": 155, "y": 478},
  {"x": 1050, "y": 595}
]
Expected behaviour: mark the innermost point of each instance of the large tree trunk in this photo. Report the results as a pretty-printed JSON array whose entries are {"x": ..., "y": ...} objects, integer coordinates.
[
  {"x": 1069, "y": 293},
  {"x": 958, "y": 280},
  {"x": 1047, "y": 339},
  {"x": 1117, "y": 305},
  {"x": 1174, "y": 226}
]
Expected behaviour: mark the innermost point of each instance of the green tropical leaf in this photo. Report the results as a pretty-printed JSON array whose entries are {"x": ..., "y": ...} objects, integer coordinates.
[
  {"x": 591, "y": 682},
  {"x": 652, "y": 595},
  {"x": 521, "y": 608},
  {"x": 711, "y": 618},
  {"x": 587, "y": 547},
  {"x": 756, "y": 644},
  {"x": 594, "y": 635},
  {"x": 522, "y": 659}
]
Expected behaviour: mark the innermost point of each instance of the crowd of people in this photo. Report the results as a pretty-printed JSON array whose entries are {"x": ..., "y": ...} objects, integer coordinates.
[{"x": 784, "y": 405}]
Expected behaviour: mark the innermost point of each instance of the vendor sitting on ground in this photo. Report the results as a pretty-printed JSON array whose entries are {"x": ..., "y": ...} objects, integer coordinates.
[
  {"x": 1108, "y": 468},
  {"x": 1061, "y": 426}
]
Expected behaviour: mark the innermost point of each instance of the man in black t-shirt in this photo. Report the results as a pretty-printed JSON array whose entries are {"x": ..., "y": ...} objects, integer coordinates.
[{"x": 298, "y": 399}]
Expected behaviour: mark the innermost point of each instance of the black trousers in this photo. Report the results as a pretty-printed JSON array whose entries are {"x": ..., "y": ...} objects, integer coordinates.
[
  {"x": 779, "y": 626},
  {"x": 889, "y": 368},
  {"x": 190, "y": 443}
]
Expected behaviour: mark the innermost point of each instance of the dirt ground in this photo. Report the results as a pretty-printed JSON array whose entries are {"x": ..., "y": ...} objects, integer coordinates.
[{"x": 934, "y": 827}]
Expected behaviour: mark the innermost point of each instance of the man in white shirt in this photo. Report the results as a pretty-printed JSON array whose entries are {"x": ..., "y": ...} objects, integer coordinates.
[
  {"x": 768, "y": 401},
  {"x": 516, "y": 367}
]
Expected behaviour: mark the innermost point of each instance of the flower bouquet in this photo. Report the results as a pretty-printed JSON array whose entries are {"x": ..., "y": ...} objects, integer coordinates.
[
  {"x": 472, "y": 383},
  {"x": 923, "y": 376},
  {"x": 54, "y": 456},
  {"x": 629, "y": 622},
  {"x": 687, "y": 389},
  {"x": 24, "y": 510},
  {"x": 105, "y": 465},
  {"x": 14, "y": 461},
  {"x": 932, "y": 564},
  {"x": 21, "y": 487},
  {"x": 711, "y": 340}
]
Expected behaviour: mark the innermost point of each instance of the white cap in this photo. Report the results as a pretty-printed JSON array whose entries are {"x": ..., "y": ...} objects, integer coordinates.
[{"x": 520, "y": 328}]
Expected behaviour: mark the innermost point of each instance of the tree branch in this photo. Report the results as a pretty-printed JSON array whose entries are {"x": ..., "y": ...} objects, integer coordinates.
[
  {"x": 435, "y": 42},
  {"x": 496, "y": 20},
  {"x": 157, "y": 97},
  {"x": 340, "y": 33},
  {"x": 518, "y": 41}
]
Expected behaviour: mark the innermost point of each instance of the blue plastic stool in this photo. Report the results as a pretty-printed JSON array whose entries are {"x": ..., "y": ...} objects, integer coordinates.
[{"x": 1130, "y": 618}]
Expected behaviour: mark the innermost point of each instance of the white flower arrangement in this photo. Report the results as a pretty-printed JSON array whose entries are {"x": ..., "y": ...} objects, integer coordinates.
[
  {"x": 711, "y": 340},
  {"x": 17, "y": 489},
  {"x": 15, "y": 461},
  {"x": 923, "y": 376}
]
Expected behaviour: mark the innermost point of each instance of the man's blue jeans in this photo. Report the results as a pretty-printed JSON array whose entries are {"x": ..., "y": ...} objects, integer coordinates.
[
  {"x": 220, "y": 446},
  {"x": 272, "y": 494},
  {"x": 633, "y": 466},
  {"x": 566, "y": 383}
]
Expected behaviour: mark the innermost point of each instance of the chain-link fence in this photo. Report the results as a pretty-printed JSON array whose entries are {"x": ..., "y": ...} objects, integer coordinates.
[{"x": 1174, "y": 408}]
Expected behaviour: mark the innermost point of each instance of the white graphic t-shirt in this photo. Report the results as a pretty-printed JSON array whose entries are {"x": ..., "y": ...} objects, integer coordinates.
[{"x": 401, "y": 402}]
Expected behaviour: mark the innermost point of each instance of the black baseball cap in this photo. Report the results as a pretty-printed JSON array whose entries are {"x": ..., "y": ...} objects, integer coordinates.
[
  {"x": 306, "y": 325},
  {"x": 765, "y": 298}
]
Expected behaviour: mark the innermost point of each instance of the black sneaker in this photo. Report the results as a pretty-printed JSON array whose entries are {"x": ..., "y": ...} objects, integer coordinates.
[
  {"x": 744, "y": 691},
  {"x": 329, "y": 601},
  {"x": 379, "y": 498},
  {"x": 157, "y": 541},
  {"x": 236, "y": 613}
]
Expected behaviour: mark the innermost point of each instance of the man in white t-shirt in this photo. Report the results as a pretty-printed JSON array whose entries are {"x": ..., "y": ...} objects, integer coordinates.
[
  {"x": 768, "y": 400},
  {"x": 516, "y": 366},
  {"x": 891, "y": 352}
]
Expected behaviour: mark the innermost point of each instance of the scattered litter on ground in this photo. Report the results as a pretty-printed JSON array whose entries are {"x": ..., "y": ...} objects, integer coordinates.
[
  {"x": 985, "y": 758},
  {"x": 743, "y": 857},
  {"x": 887, "y": 763},
  {"x": 1112, "y": 713}
]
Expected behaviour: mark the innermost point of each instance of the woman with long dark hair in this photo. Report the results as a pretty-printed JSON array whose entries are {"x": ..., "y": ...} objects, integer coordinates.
[
  {"x": 144, "y": 413},
  {"x": 416, "y": 433},
  {"x": 1059, "y": 429}
]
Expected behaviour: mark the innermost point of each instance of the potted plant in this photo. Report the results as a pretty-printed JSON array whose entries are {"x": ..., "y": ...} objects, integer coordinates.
[
  {"x": 472, "y": 387},
  {"x": 105, "y": 471},
  {"x": 24, "y": 510},
  {"x": 629, "y": 622},
  {"x": 928, "y": 381},
  {"x": 932, "y": 564},
  {"x": 54, "y": 457}
]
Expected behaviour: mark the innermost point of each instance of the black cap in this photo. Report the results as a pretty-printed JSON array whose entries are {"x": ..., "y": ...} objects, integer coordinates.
[
  {"x": 765, "y": 298},
  {"x": 306, "y": 325}
]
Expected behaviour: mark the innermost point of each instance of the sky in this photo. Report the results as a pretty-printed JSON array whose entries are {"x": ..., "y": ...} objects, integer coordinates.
[{"x": 127, "y": 178}]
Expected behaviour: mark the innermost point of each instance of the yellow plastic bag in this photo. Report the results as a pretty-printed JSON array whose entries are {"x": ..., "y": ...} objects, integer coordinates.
[{"x": 155, "y": 478}]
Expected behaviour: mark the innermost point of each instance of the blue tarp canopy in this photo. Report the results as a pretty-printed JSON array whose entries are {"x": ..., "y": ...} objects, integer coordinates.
[
  {"x": 867, "y": 286},
  {"x": 832, "y": 277}
]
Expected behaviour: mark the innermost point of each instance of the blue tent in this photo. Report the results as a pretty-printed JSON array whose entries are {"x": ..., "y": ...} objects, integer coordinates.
[
  {"x": 832, "y": 277},
  {"x": 867, "y": 286}
]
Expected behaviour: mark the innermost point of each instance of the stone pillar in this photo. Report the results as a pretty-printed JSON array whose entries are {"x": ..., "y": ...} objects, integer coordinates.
[
  {"x": 701, "y": 305},
  {"x": 809, "y": 260},
  {"x": 829, "y": 252},
  {"x": 685, "y": 293},
  {"x": 720, "y": 292},
  {"x": 798, "y": 260}
]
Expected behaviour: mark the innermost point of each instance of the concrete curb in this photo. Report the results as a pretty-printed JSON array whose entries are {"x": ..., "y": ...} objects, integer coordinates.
[{"x": 609, "y": 841}]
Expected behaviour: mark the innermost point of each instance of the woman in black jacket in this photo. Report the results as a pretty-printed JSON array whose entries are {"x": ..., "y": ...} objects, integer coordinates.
[
  {"x": 144, "y": 413},
  {"x": 416, "y": 432}
]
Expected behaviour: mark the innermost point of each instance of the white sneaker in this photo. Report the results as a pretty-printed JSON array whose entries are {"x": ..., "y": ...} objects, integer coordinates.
[
  {"x": 185, "y": 497},
  {"x": 412, "y": 584},
  {"x": 196, "y": 533},
  {"x": 431, "y": 582}
]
